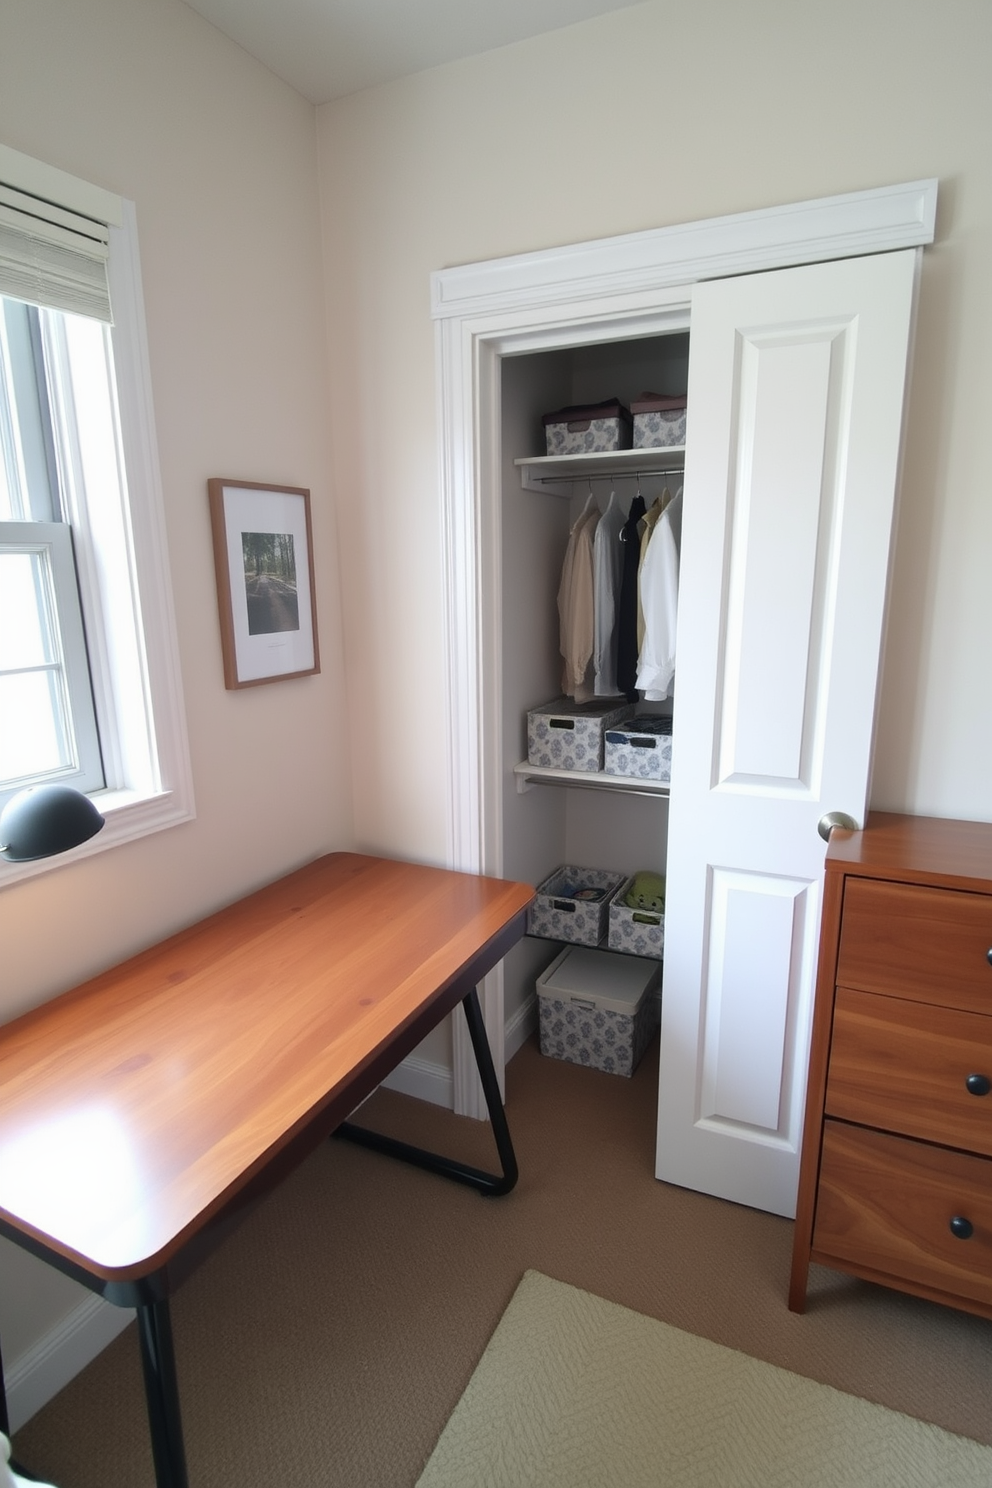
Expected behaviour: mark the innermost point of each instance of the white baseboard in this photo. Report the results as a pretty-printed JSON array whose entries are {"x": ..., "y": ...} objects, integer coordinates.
[
  {"x": 433, "y": 1082},
  {"x": 38, "y": 1375},
  {"x": 520, "y": 1027},
  {"x": 424, "y": 1079}
]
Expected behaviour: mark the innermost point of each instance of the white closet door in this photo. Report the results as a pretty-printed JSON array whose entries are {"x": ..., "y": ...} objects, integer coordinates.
[{"x": 796, "y": 388}]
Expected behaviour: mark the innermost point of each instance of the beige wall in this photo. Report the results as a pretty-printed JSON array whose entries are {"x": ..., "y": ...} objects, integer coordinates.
[
  {"x": 664, "y": 113},
  {"x": 143, "y": 97}
]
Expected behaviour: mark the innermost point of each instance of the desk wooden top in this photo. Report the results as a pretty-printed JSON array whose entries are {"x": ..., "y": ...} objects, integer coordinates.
[{"x": 136, "y": 1106}]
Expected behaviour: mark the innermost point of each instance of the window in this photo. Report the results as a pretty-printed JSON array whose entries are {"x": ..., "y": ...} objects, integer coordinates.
[
  {"x": 48, "y": 725},
  {"x": 89, "y": 683}
]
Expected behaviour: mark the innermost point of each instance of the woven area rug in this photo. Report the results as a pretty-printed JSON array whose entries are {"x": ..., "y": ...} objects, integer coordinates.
[{"x": 576, "y": 1392}]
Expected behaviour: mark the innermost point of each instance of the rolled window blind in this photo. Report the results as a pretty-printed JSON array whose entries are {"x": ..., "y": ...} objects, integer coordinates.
[{"x": 51, "y": 255}]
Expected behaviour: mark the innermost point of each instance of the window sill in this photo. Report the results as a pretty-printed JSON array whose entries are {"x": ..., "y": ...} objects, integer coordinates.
[{"x": 128, "y": 815}]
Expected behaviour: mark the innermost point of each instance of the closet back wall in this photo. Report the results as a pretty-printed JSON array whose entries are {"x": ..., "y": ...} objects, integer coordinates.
[
  {"x": 661, "y": 114},
  {"x": 548, "y": 826}
]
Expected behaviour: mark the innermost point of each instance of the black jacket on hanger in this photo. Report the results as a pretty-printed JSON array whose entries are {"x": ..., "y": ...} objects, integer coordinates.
[{"x": 630, "y": 541}]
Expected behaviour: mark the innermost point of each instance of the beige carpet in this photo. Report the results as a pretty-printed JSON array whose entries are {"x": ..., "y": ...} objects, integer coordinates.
[
  {"x": 577, "y": 1392},
  {"x": 329, "y": 1339}
]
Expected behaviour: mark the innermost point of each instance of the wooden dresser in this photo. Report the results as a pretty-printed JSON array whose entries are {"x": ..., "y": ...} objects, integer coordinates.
[{"x": 896, "y": 1176}]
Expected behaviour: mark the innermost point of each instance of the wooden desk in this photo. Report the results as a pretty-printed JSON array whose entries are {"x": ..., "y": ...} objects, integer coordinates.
[{"x": 144, "y": 1111}]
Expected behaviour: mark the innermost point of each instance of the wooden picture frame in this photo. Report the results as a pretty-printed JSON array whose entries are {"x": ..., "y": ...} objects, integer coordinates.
[{"x": 263, "y": 554}]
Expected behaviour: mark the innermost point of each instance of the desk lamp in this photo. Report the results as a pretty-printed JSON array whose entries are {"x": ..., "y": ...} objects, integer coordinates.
[{"x": 44, "y": 820}]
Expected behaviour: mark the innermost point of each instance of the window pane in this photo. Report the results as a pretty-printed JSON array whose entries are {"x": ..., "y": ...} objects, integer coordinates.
[
  {"x": 29, "y": 468},
  {"x": 12, "y": 477},
  {"x": 34, "y": 737},
  {"x": 25, "y": 638},
  {"x": 31, "y": 740}
]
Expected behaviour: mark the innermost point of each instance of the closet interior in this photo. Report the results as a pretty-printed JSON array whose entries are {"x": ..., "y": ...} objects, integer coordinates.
[{"x": 547, "y": 819}]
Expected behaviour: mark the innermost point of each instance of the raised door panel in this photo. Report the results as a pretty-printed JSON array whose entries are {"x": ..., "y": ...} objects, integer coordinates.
[
  {"x": 757, "y": 928},
  {"x": 796, "y": 385}
]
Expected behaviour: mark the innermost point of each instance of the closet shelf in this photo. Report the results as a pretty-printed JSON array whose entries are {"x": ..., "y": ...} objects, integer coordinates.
[
  {"x": 528, "y": 776},
  {"x": 554, "y": 473}
]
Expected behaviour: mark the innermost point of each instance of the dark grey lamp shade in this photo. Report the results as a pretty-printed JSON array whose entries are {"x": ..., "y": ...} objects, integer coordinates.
[{"x": 44, "y": 820}]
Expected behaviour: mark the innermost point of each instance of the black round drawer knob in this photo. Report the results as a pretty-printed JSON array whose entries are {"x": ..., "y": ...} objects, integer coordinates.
[
  {"x": 988, "y": 955},
  {"x": 978, "y": 1084},
  {"x": 961, "y": 1227}
]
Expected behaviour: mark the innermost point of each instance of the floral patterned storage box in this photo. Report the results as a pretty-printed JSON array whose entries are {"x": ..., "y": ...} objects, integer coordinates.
[
  {"x": 574, "y": 904},
  {"x": 566, "y": 735},
  {"x": 636, "y": 930},
  {"x": 640, "y": 747},
  {"x": 659, "y": 421},
  {"x": 598, "y": 1009},
  {"x": 588, "y": 428}
]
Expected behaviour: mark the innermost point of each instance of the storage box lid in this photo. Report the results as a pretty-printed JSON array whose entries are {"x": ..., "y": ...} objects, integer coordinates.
[
  {"x": 606, "y": 980},
  {"x": 644, "y": 723},
  {"x": 566, "y": 707},
  {"x": 583, "y": 413},
  {"x": 563, "y": 883},
  {"x": 657, "y": 403}
]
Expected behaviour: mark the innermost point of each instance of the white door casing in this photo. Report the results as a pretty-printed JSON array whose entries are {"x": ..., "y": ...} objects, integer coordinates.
[
  {"x": 796, "y": 395},
  {"x": 566, "y": 296}
]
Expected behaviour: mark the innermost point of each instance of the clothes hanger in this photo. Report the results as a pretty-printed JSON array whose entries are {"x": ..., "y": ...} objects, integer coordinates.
[
  {"x": 623, "y": 530},
  {"x": 585, "y": 510}
]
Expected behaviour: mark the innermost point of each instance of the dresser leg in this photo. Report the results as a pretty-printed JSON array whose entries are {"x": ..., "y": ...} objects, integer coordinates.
[
  {"x": 162, "y": 1395},
  {"x": 797, "y": 1287}
]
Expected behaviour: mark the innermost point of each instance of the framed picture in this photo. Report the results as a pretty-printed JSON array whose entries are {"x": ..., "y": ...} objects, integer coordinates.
[{"x": 263, "y": 551}]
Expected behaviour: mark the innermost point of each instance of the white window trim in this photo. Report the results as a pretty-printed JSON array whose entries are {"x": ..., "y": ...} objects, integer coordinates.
[{"x": 153, "y": 751}]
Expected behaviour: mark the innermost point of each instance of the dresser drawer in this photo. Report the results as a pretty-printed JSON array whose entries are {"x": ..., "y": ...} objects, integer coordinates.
[
  {"x": 885, "y": 1204},
  {"x": 905, "y": 1065},
  {"x": 930, "y": 945}
]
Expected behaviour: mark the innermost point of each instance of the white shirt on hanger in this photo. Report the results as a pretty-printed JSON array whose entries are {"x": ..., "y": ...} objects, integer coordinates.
[{"x": 658, "y": 587}]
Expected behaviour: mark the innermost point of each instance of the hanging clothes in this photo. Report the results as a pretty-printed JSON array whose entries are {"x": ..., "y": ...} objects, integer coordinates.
[
  {"x": 576, "y": 605},
  {"x": 651, "y": 516},
  {"x": 607, "y": 559},
  {"x": 659, "y": 589},
  {"x": 627, "y": 620}
]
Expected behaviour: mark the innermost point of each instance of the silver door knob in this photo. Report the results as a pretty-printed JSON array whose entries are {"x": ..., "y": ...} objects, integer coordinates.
[{"x": 833, "y": 819}]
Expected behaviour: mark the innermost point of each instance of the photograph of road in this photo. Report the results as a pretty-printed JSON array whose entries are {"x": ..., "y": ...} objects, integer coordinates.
[{"x": 270, "y": 582}]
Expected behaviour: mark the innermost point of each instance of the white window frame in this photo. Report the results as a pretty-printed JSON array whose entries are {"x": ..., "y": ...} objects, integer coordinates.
[{"x": 133, "y": 651}]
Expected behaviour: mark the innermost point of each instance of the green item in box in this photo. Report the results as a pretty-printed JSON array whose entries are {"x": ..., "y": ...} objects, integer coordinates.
[{"x": 647, "y": 891}]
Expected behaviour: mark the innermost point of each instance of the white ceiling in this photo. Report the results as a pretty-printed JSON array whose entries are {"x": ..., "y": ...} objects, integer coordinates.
[{"x": 327, "y": 48}]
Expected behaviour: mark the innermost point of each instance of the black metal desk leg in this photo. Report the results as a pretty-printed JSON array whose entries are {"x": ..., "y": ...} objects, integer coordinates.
[
  {"x": 487, "y": 1183},
  {"x": 15, "y": 1466},
  {"x": 162, "y": 1395},
  {"x": 490, "y": 1089},
  {"x": 4, "y": 1417}
]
